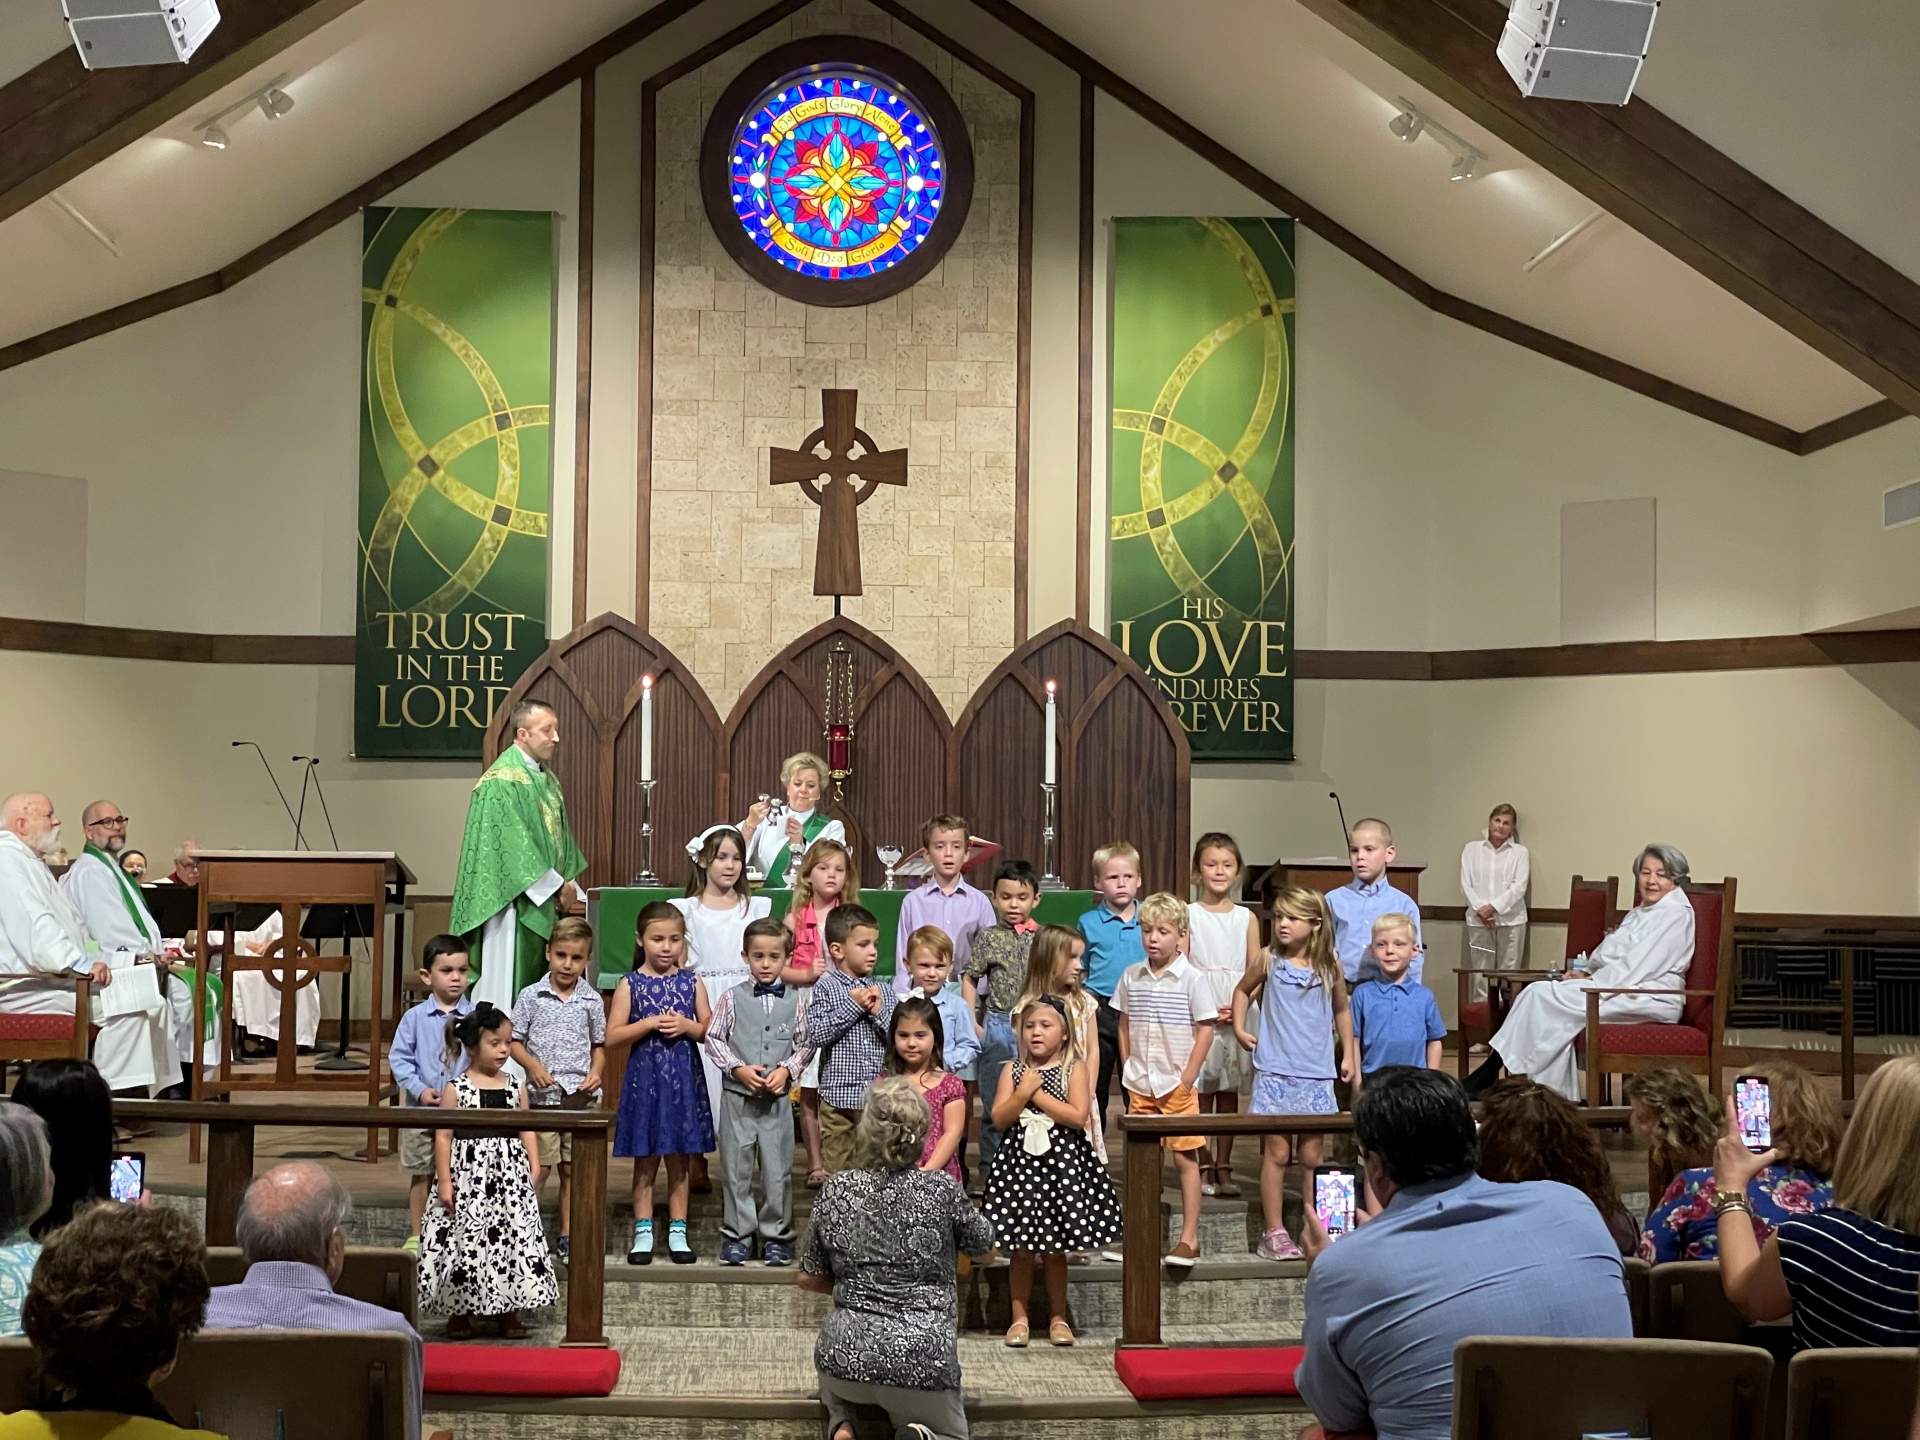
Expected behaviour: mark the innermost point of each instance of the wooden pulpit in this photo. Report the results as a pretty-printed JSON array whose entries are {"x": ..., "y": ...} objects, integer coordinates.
[
  {"x": 295, "y": 882},
  {"x": 1324, "y": 873}
]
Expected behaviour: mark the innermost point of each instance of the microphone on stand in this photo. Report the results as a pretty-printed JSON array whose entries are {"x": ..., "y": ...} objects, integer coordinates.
[
  {"x": 1346, "y": 834},
  {"x": 340, "y": 1059},
  {"x": 304, "y": 777},
  {"x": 297, "y": 836}
]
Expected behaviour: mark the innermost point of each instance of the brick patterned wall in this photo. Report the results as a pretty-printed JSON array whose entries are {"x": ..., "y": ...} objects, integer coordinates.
[{"x": 738, "y": 369}]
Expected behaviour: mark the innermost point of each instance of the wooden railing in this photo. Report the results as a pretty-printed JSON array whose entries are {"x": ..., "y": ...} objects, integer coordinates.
[
  {"x": 1141, "y": 1191},
  {"x": 230, "y": 1169}
]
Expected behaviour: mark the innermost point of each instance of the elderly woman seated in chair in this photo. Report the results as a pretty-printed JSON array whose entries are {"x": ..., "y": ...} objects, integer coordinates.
[{"x": 1652, "y": 949}]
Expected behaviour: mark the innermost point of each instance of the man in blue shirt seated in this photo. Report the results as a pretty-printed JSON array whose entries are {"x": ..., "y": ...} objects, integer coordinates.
[
  {"x": 1451, "y": 1255},
  {"x": 292, "y": 1231}
]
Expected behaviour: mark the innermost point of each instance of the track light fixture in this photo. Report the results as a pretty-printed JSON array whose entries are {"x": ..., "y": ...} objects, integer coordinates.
[
  {"x": 271, "y": 98},
  {"x": 1411, "y": 122}
]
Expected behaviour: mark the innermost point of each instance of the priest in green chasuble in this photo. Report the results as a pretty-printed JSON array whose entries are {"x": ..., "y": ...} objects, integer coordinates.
[{"x": 518, "y": 859}]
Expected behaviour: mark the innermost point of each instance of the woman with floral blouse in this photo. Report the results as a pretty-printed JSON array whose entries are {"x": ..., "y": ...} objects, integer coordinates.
[{"x": 1806, "y": 1132}]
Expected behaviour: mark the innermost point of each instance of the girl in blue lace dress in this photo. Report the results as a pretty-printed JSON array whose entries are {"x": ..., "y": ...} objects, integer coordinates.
[{"x": 661, "y": 1011}]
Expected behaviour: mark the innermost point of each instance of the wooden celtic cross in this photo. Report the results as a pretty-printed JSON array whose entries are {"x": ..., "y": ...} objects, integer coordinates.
[{"x": 838, "y": 467}]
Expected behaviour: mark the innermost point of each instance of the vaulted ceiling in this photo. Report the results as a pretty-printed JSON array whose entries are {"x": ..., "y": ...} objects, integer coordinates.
[{"x": 1813, "y": 100}]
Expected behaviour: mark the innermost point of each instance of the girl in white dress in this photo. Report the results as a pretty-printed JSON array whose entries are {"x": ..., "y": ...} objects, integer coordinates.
[
  {"x": 1222, "y": 940},
  {"x": 718, "y": 907},
  {"x": 1652, "y": 950}
]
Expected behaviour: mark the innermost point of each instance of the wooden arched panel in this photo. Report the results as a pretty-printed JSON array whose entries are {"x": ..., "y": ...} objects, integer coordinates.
[
  {"x": 1124, "y": 762},
  {"x": 901, "y": 737},
  {"x": 592, "y": 679}
]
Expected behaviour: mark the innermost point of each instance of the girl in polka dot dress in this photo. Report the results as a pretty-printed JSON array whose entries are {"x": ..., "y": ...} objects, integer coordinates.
[{"x": 1047, "y": 1194}]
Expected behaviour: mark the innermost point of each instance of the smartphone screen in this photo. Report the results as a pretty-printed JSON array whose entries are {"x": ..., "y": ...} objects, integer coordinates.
[
  {"x": 127, "y": 1177},
  {"x": 1753, "y": 1109},
  {"x": 1334, "y": 1191}
]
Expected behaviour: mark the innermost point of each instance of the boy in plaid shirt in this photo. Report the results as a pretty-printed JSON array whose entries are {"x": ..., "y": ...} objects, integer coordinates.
[{"x": 847, "y": 1019}]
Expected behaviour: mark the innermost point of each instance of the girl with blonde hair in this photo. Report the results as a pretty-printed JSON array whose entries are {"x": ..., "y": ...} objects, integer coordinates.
[
  {"x": 1303, "y": 1002},
  {"x": 1847, "y": 1275}
]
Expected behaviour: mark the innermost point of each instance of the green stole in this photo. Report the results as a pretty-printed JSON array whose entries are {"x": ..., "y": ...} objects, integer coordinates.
[
  {"x": 135, "y": 910},
  {"x": 783, "y": 859}
]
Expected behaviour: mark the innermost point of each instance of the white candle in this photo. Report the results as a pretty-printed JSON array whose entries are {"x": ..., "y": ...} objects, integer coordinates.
[
  {"x": 1053, "y": 742},
  {"x": 646, "y": 727}
]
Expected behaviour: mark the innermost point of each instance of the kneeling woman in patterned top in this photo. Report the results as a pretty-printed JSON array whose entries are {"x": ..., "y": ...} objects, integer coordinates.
[
  {"x": 883, "y": 1243},
  {"x": 1046, "y": 1194}
]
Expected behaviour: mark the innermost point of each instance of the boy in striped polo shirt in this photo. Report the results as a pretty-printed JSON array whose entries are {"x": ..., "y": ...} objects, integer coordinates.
[{"x": 1168, "y": 1017}]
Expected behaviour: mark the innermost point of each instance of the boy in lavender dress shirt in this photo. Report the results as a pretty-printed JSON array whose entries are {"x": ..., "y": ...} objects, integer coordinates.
[{"x": 944, "y": 901}]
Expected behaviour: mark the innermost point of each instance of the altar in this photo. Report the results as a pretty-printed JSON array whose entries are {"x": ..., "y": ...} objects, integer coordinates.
[{"x": 612, "y": 910}]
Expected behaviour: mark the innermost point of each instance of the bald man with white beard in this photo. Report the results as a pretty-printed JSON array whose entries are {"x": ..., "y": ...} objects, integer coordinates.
[
  {"x": 115, "y": 913},
  {"x": 43, "y": 944}
]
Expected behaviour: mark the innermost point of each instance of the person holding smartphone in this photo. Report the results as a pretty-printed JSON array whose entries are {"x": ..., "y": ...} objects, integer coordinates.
[
  {"x": 1449, "y": 1255},
  {"x": 1847, "y": 1276},
  {"x": 1802, "y": 1125}
]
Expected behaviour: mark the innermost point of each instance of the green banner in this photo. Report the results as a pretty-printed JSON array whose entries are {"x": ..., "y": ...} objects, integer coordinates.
[
  {"x": 456, "y": 473},
  {"x": 1200, "y": 480}
]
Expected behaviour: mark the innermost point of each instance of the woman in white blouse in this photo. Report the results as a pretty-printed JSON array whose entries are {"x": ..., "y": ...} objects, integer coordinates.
[
  {"x": 1653, "y": 948},
  {"x": 1494, "y": 871}
]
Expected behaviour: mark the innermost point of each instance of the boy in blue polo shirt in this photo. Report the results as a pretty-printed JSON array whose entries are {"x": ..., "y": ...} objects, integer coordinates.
[
  {"x": 1112, "y": 932},
  {"x": 1395, "y": 1020}
]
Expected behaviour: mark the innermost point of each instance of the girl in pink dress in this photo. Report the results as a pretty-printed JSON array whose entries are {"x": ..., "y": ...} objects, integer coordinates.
[
  {"x": 914, "y": 1043},
  {"x": 825, "y": 877}
]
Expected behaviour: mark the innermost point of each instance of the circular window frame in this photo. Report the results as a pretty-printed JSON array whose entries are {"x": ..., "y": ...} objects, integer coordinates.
[{"x": 887, "y": 65}]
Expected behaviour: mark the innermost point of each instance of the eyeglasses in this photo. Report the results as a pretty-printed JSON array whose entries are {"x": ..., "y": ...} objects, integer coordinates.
[{"x": 109, "y": 820}]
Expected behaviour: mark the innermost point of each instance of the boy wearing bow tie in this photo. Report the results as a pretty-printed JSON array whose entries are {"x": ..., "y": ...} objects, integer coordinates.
[{"x": 757, "y": 1040}]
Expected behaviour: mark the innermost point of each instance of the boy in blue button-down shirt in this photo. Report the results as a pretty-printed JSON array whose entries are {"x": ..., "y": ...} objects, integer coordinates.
[
  {"x": 1370, "y": 895},
  {"x": 1395, "y": 1020},
  {"x": 421, "y": 1063}
]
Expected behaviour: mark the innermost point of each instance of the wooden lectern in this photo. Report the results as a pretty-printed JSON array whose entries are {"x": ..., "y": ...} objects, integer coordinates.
[
  {"x": 1324, "y": 873},
  {"x": 294, "y": 882}
]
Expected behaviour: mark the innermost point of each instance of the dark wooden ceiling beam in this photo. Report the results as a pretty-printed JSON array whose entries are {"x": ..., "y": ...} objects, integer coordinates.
[
  {"x": 60, "y": 119},
  {"x": 1680, "y": 192}
]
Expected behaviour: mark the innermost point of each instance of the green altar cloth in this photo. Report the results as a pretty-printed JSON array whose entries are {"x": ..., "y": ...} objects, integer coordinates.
[{"x": 613, "y": 909}]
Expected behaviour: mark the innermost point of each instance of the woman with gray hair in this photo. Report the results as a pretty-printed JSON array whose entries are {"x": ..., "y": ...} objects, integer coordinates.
[
  {"x": 26, "y": 1190},
  {"x": 883, "y": 1243},
  {"x": 1652, "y": 950}
]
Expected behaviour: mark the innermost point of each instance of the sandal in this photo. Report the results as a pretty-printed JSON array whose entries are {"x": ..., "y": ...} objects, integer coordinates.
[
  {"x": 816, "y": 1177},
  {"x": 460, "y": 1327},
  {"x": 1223, "y": 1185},
  {"x": 1017, "y": 1335},
  {"x": 512, "y": 1327},
  {"x": 1060, "y": 1333}
]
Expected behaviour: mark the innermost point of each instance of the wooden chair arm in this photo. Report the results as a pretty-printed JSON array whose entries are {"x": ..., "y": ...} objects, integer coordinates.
[{"x": 1645, "y": 990}]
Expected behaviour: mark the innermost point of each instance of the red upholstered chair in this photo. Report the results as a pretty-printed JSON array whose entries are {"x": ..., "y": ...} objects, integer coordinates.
[
  {"x": 1592, "y": 909},
  {"x": 48, "y": 1037},
  {"x": 1694, "y": 1042}
]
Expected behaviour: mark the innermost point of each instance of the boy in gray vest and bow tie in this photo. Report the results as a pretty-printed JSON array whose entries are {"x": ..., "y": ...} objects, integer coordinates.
[{"x": 757, "y": 1040}]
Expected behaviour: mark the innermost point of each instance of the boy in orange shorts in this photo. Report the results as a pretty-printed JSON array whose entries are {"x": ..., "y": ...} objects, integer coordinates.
[{"x": 1168, "y": 1018}]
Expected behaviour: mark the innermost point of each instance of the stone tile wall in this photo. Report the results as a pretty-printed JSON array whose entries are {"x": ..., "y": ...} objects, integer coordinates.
[{"x": 738, "y": 370}]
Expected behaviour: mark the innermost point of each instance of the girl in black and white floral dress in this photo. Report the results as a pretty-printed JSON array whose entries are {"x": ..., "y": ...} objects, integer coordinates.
[
  {"x": 482, "y": 1251},
  {"x": 1047, "y": 1194}
]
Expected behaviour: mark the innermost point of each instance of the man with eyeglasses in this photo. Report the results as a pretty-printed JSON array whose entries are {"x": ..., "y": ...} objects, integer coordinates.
[
  {"x": 44, "y": 947},
  {"x": 115, "y": 914}
]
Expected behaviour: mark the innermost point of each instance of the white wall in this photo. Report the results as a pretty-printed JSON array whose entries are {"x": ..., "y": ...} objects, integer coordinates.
[{"x": 1855, "y": 571}]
